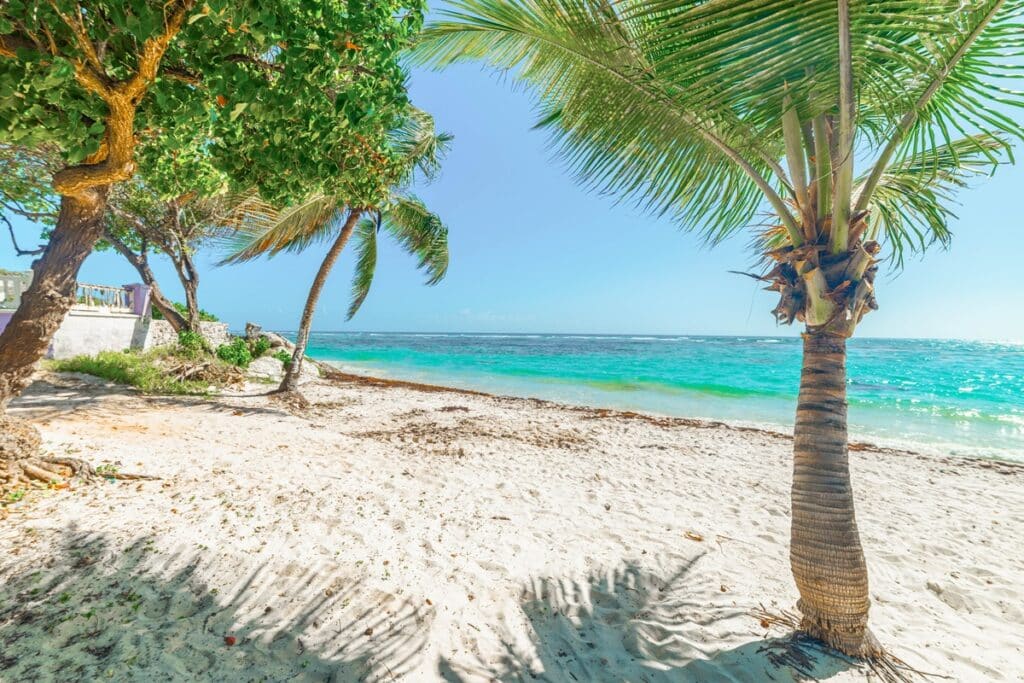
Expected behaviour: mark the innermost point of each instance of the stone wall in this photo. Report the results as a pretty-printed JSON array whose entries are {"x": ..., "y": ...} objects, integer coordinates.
[{"x": 160, "y": 333}]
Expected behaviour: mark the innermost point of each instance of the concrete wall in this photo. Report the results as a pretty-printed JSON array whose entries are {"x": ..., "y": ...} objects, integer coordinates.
[
  {"x": 89, "y": 332},
  {"x": 160, "y": 333}
]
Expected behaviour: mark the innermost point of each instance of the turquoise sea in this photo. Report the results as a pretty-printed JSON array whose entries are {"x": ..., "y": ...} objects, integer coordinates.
[{"x": 939, "y": 396}]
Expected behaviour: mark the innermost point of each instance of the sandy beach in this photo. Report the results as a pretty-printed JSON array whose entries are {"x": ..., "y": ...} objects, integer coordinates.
[{"x": 391, "y": 533}]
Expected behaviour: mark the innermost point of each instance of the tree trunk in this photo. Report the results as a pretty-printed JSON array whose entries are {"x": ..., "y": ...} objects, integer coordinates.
[
  {"x": 141, "y": 264},
  {"x": 189, "y": 280},
  {"x": 192, "y": 305},
  {"x": 26, "y": 339},
  {"x": 825, "y": 552},
  {"x": 294, "y": 371},
  {"x": 52, "y": 292}
]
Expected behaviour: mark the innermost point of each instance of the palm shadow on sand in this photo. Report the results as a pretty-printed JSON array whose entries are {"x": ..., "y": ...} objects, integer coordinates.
[
  {"x": 97, "y": 612},
  {"x": 631, "y": 624}
]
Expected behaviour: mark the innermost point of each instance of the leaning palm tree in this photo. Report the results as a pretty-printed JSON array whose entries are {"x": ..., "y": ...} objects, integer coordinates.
[
  {"x": 715, "y": 111},
  {"x": 262, "y": 229}
]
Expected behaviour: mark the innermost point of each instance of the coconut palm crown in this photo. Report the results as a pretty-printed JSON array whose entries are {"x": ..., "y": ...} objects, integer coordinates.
[
  {"x": 849, "y": 123},
  {"x": 261, "y": 229}
]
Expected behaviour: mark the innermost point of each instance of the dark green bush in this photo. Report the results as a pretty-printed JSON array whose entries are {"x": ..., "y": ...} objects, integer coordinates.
[
  {"x": 284, "y": 357},
  {"x": 236, "y": 353},
  {"x": 204, "y": 316},
  {"x": 190, "y": 343},
  {"x": 260, "y": 346}
]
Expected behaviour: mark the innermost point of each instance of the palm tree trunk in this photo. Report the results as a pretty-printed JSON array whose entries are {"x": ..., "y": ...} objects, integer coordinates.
[
  {"x": 825, "y": 552},
  {"x": 52, "y": 293},
  {"x": 291, "y": 377}
]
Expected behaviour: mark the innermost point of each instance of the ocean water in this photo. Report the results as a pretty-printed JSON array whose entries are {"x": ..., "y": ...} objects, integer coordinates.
[{"x": 938, "y": 396}]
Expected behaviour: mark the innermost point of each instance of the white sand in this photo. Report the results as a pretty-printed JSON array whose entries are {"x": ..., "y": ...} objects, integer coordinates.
[{"x": 395, "y": 534}]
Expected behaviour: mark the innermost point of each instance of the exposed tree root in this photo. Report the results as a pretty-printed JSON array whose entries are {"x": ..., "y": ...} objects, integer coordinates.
[
  {"x": 291, "y": 400},
  {"x": 800, "y": 650},
  {"x": 22, "y": 466}
]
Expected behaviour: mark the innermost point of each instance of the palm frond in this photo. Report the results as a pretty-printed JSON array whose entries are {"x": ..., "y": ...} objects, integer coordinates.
[
  {"x": 418, "y": 143},
  {"x": 258, "y": 228},
  {"x": 964, "y": 90},
  {"x": 912, "y": 202},
  {"x": 617, "y": 126},
  {"x": 420, "y": 233},
  {"x": 663, "y": 101},
  {"x": 366, "y": 264}
]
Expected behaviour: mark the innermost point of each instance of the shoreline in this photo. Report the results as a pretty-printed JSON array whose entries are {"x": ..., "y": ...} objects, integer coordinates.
[
  {"x": 387, "y": 531},
  {"x": 921, "y": 395},
  {"x": 334, "y": 373}
]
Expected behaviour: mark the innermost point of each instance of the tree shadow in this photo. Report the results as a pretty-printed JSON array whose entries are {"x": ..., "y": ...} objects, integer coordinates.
[
  {"x": 94, "y": 612},
  {"x": 62, "y": 394},
  {"x": 629, "y": 623}
]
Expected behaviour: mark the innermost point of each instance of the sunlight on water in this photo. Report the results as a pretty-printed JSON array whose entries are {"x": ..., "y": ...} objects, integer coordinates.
[{"x": 942, "y": 396}]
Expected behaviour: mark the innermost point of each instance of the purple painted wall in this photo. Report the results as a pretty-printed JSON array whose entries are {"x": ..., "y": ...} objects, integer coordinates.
[
  {"x": 140, "y": 298},
  {"x": 5, "y": 316}
]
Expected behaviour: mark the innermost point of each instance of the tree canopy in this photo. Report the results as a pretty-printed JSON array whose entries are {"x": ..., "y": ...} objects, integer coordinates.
[
  {"x": 288, "y": 96},
  {"x": 259, "y": 228}
]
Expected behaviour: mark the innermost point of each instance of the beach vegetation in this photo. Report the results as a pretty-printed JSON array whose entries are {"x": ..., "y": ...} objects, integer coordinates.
[
  {"x": 185, "y": 368},
  {"x": 204, "y": 315},
  {"x": 14, "y": 496},
  {"x": 259, "y": 346},
  {"x": 838, "y": 131},
  {"x": 191, "y": 343},
  {"x": 236, "y": 352},
  {"x": 144, "y": 371},
  {"x": 278, "y": 98},
  {"x": 262, "y": 229},
  {"x": 241, "y": 351}
]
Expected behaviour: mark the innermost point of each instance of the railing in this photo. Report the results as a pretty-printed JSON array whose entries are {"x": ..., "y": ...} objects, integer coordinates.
[
  {"x": 87, "y": 297},
  {"x": 12, "y": 285},
  {"x": 99, "y": 297}
]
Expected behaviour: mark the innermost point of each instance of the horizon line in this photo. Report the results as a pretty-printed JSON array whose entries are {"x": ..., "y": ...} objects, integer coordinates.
[{"x": 1015, "y": 342}]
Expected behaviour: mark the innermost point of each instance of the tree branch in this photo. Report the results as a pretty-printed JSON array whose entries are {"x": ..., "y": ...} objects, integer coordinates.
[
  {"x": 182, "y": 74},
  {"x": 18, "y": 250},
  {"x": 153, "y": 51},
  {"x": 122, "y": 98},
  {"x": 77, "y": 26},
  {"x": 25, "y": 213},
  {"x": 11, "y": 43},
  {"x": 254, "y": 61}
]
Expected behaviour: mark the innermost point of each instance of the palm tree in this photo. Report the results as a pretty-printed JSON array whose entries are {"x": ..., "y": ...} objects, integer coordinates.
[
  {"x": 262, "y": 229},
  {"x": 711, "y": 110}
]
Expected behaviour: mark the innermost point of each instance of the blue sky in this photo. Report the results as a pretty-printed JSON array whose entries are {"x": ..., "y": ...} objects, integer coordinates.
[{"x": 531, "y": 251}]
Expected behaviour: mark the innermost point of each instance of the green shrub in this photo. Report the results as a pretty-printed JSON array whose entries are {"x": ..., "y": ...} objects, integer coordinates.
[
  {"x": 204, "y": 316},
  {"x": 284, "y": 357},
  {"x": 236, "y": 353},
  {"x": 134, "y": 369},
  {"x": 191, "y": 343},
  {"x": 260, "y": 346}
]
